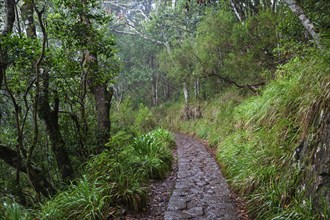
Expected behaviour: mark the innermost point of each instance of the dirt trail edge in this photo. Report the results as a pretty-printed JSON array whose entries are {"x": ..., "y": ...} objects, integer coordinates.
[{"x": 200, "y": 191}]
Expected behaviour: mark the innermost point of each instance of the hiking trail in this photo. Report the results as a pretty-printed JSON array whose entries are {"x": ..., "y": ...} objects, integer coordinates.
[
  {"x": 195, "y": 188},
  {"x": 200, "y": 191}
]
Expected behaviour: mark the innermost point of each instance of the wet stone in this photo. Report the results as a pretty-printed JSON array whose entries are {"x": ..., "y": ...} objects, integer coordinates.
[
  {"x": 201, "y": 192},
  {"x": 177, "y": 203},
  {"x": 201, "y": 183},
  {"x": 173, "y": 215},
  {"x": 196, "y": 211}
]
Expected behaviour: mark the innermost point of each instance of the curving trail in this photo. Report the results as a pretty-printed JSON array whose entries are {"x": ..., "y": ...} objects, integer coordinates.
[{"x": 200, "y": 192}]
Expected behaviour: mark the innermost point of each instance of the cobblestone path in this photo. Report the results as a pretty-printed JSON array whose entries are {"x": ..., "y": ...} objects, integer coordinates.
[{"x": 200, "y": 192}]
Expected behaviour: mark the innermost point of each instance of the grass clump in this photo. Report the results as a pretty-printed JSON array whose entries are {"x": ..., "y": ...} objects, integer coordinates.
[
  {"x": 14, "y": 211},
  {"x": 115, "y": 179},
  {"x": 88, "y": 199},
  {"x": 152, "y": 153}
]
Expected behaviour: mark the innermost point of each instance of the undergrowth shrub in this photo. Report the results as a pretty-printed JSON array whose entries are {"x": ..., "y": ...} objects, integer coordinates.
[
  {"x": 134, "y": 121},
  {"x": 164, "y": 137},
  {"x": 116, "y": 178},
  {"x": 144, "y": 119},
  {"x": 152, "y": 153},
  {"x": 123, "y": 118}
]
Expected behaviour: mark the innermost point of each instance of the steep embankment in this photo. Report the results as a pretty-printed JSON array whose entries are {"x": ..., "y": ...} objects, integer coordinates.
[{"x": 274, "y": 146}]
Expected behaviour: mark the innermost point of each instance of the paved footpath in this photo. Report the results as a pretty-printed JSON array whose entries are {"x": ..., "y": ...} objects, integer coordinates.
[{"x": 200, "y": 192}]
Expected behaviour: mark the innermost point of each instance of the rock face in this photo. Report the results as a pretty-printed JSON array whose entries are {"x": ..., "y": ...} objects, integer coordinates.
[
  {"x": 201, "y": 192},
  {"x": 316, "y": 161}
]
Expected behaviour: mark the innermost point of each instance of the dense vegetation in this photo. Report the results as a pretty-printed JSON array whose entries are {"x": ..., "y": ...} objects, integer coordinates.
[
  {"x": 113, "y": 180},
  {"x": 258, "y": 137},
  {"x": 251, "y": 77}
]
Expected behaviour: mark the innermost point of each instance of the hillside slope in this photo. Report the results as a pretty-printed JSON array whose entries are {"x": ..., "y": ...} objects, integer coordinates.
[{"x": 274, "y": 146}]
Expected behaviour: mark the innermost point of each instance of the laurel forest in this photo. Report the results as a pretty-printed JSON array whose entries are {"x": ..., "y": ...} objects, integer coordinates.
[{"x": 92, "y": 93}]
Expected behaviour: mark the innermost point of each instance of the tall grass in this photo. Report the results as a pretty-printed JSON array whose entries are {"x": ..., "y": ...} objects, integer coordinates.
[
  {"x": 113, "y": 180},
  {"x": 88, "y": 199},
  {"x": 13, "y": 211},
  {"x": 258, "y": 156}
]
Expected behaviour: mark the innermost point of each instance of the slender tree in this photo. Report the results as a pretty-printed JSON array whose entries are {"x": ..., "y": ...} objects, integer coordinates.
[{"x": 305, "y": 21}]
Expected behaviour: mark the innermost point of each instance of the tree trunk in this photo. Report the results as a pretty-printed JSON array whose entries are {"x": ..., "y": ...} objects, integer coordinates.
[
  {"x": 9, "y": 23},
  {"x": 49, "y": 116},
  {"x": 299, "y": 12},
  {"x": 27, "y": 9},
  {"x": 168, "y": 90},
  {"x": 36, "y": 177},
  {"x": 154, "y": 85},
  {"x": 274, "y": 5},
  {"x": 99, "y": 90},
  {"x": 10, "y": 17},
  {"x": 239, "y": 14},
  {"x": 185, "y": 92},
  {"x": 102, "y": 99},
  {"x": 197, "y": 88},
  {"x": 166, "y": 83}
]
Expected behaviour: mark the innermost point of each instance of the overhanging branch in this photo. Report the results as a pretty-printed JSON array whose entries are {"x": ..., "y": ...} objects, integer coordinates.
[{"x": 252, "y": 87}]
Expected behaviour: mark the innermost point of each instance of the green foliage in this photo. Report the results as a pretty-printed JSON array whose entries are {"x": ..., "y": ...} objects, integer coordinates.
[
  {"x": 271, "y": 126},
  {"x": 123, "y": 117},
  {"x": 134, "y": 121},
  {"x": 237, "y": 52},
  {"x": 66, "y": 22},
  {"x": 153, "y": 153},
  {"x": 13, "y": 211},
  {"x": 164, "y": 137},
  {"x": 89, "y": 199},
  {"x": 144, "y": 119},
  {"x": 117, "y": 177},
  {"x": 257, "y": 136}
]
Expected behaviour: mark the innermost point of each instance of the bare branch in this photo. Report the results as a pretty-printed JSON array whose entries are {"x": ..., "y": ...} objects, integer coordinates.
[
  {"x": 252, "y": 87},
  {"x": 138, "y": 33}
]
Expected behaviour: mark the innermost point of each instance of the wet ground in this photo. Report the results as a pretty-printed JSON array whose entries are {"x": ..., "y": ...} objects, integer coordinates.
[{"x": 200, "y": 191}]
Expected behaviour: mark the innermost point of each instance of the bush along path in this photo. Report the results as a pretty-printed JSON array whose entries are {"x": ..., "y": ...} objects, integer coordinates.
[{"x": 200, "y": 192}]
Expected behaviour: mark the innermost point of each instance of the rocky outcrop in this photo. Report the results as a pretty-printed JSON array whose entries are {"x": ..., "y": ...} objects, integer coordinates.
[{"x": 315, "y": 158}]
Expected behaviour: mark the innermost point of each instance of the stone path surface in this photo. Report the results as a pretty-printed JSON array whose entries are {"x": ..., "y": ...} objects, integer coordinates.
[{"x": 200, "y": 191}]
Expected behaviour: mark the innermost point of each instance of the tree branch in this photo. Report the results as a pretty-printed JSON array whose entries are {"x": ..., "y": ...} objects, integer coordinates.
[
  {"x": 299, "y": 12},
  {"x": 40, "y": 183},
  {"x": 252, "y": 87},
  {"x": 238, "y": 15}
]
